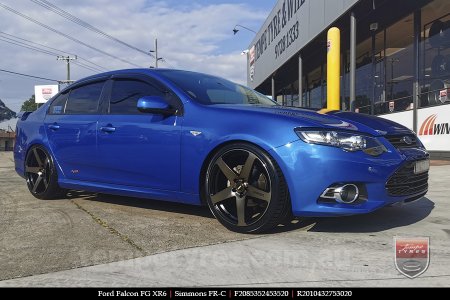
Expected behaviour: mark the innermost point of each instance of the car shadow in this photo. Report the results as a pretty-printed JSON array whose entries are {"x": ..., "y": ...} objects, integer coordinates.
[
  {"x": 380, "y": 220},
  {"x": 383, "y": 219},
  {"x": 201, "y": 211}
]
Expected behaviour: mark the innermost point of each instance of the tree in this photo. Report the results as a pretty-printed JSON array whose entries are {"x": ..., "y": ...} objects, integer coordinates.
[{"x": 29, "y": 105}]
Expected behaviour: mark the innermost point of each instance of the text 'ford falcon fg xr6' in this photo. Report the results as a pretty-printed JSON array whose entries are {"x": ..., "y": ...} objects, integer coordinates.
[{"x": 199, "y": 139}]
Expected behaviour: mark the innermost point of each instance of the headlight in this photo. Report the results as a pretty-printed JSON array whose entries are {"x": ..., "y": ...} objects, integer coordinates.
[{"x": 345, "y": 140}]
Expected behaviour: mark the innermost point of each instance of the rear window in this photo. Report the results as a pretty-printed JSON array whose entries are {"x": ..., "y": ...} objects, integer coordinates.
[
  {"x": 84, "y": 100},
  {"x": 58, "y": 105}
]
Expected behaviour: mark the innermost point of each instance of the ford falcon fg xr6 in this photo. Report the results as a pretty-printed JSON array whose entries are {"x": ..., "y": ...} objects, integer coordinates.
[{"x": 198, "y": 139}]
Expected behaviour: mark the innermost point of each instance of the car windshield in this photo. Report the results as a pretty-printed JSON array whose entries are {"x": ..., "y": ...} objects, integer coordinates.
[{"x": 209, "y": 90}]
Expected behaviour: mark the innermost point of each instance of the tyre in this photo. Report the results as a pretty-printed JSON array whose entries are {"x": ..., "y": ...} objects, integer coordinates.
[
  {"x": 245, "y": 189},
  {"x": 41, "y": 174}
]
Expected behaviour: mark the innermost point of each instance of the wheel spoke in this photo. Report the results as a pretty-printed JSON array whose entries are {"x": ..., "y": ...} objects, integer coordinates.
[
  {"x": 222, "y": 195},
  {"x": 240, "y": 210},
  {"x": 229, "y": 174},
  {"x": 47, "y": 162},
  {"x": 38, "y": 159},
  {"x": 44, "y": 180},
  {"x": 245, "y": 173},
  {"x": 258, "y": 194},
  {"x": 34, "y": 170},
  {"x": 36, "y": 184}
]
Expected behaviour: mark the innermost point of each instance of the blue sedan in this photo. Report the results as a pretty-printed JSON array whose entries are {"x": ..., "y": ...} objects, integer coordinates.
[{"x": 199, "y": 139}]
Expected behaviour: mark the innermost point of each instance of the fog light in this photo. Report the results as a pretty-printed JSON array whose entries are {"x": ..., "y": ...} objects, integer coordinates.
[{"x": 348, "y": 193}]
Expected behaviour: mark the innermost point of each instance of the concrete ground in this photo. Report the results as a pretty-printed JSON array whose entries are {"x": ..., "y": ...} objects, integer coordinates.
[{"x": 100, "y": 240}]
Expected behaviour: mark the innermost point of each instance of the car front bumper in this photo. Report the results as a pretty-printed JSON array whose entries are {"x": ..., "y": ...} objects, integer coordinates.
[{"x": 310, "y": 169}]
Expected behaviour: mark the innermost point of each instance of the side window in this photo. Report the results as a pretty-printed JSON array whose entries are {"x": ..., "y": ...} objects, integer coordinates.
[
  {"x": 84, "y": 100},
  {"x": 58, "y": 105},
  {"x": 125, "y": 94}
]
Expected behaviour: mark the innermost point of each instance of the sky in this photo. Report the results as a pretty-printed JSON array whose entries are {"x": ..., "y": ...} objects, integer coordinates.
[{"x": 192, "y": 35}]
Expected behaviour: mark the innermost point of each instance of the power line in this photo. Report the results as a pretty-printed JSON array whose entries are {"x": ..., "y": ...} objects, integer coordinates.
[
  {"x": 76, "y": 20},
  {"x": 23, "y": 45},
  {"x": 12, "y": 37},
  {"x": 63, "y": 34},
  {"x": 85, "y": 66},
  {"x": 27, "y": 75}
]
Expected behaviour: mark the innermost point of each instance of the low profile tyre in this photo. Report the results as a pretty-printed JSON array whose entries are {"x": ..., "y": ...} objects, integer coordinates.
[
  {"x": 246, "y": 190},
  {"x": 41, "y": 174}
]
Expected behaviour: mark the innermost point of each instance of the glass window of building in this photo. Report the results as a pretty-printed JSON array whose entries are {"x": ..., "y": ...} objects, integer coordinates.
[
  {"x": 399, "y": 62},
  {"x": 434, "y": 78},
  {"x": 364, "y": 80}
]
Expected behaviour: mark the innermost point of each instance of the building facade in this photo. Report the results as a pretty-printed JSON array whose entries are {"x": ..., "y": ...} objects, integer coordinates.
[
  {"x": 7, "y": 139},
  {"x": 395, "y": 60}
]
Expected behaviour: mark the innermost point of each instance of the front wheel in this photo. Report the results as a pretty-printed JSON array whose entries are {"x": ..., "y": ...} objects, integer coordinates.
[
  {"x": 245, "y": 189},
  {"x": 41, "y": 174}
]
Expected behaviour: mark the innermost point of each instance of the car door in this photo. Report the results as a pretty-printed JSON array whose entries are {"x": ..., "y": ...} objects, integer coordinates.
[
  {"x": 71, "y": 126},
  {"x": 139, "y": 149}
]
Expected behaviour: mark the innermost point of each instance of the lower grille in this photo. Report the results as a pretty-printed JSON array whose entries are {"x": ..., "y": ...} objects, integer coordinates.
[{"x": 404, "y": 182}]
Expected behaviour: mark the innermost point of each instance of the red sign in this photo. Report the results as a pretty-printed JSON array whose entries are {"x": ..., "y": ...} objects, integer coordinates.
[
  {"x": 412, "y": 255},
  {"x": 47, "y": 91}
]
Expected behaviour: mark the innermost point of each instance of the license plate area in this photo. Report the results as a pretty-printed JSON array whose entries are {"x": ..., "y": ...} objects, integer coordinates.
[{"x": 421, "y": 166}]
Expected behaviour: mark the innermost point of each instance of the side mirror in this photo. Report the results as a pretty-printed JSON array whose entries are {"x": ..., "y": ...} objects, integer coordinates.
[{"x": 155, "y": 105}]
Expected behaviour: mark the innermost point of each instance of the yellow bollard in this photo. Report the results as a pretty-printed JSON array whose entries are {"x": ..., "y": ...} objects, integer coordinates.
[{"x": 333, "y": 68}]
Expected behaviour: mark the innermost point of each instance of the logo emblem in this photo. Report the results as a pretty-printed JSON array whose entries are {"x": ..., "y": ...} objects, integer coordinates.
[
  {"x": 195, "y": 133},
  {"x": 412, "y": 255},
  {"x": 430, "y": 127},
  {"x": 407, "y": 140}
]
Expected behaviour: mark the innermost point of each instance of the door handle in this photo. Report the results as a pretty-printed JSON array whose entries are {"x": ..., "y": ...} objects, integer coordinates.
[
  {"x": 108, "y": 129},
  {"x": 53, "y": 126}
]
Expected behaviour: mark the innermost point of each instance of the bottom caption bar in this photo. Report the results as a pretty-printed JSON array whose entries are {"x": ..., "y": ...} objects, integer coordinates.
[{"x": 171, "y": 293}]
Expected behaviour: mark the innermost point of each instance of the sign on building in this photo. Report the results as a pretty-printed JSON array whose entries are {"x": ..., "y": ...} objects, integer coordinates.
[{"x": 433, "y": 125}]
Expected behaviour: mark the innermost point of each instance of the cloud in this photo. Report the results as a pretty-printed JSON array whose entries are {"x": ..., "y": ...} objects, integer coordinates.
[{"x": 190, "y": 36}]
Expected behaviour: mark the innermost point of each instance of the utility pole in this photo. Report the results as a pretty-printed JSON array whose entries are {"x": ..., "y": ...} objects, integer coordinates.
[
  {"x": 67, "y": 59},
  {"x": 156, "y": 54}
]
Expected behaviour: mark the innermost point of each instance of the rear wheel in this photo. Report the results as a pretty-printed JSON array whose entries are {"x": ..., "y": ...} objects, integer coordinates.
[
  {"x": 245, "y": 189},
  {"x": 41, "y": 174}
]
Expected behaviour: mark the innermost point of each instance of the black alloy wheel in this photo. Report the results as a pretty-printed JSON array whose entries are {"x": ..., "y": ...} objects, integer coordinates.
[
  {"x": 246, "y": 190},
  {"x": 41, "y": 175}
]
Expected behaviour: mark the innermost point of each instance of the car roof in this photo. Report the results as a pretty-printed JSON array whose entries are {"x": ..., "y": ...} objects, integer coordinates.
[{"x": 147, "y": 71}]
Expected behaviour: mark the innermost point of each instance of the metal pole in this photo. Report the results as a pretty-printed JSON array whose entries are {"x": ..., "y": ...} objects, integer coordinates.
[
  {"x": 333, "y": 69},
  {"x": 417, "y": 29},
  {"x": 300, "y": 80},
  {"x": 372, "y": 102},
  {"x": 68, "y": 69},
  {"x": 273, "y": 89},
  {"x": 156, "y": 53},
  {"x": 352, "y": 61},
  {"x": 67, "y": 59}
]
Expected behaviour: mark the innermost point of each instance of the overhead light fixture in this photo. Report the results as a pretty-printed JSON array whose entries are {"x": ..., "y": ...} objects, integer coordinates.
[{"x": 235, "y": 30}]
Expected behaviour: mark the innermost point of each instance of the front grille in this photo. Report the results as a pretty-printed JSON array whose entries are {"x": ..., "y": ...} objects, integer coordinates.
[
  {"x": 400, "y": 141},
  {"x": 404, "y": 182}
]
